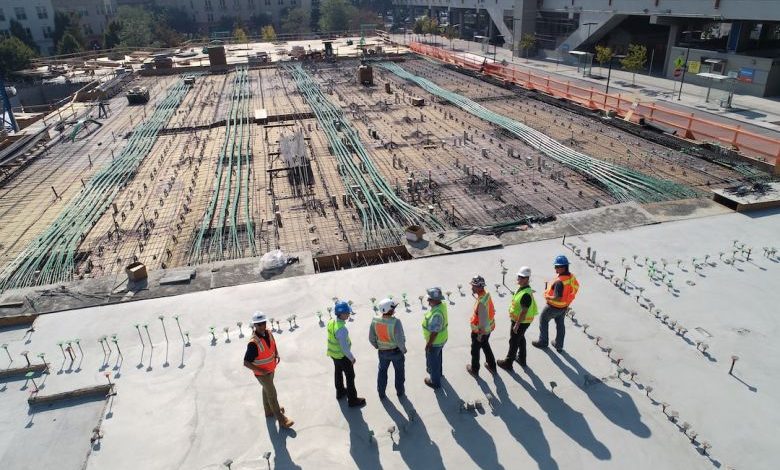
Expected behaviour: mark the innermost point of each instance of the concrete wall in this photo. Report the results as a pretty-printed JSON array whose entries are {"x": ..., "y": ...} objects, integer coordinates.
[
  {"x": 764, "y": 69},
  {"x": 38, "y": 95},
  {"x": 38, "y": 16}
]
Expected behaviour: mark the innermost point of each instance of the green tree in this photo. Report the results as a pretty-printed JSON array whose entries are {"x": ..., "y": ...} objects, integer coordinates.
[
  {"x": 451, "y": 33},
  {"x": 258, "y": 20},
  {"x": 335, "y": 15},
  {"x": 268, "y": 33},
  {"x": 67, "y": 23},
  {"x": 296, "y": 21},
  {"x": 69, "y": 45},
  {"x": 14, "y": 55},
  {"x": 604, "y": 55},
  {"x": 178, "y": 20},
  {"x": 18, "y": 31},
  {"x": 137, "y": 25},
  {"x": 634, "y": 60},
  {"x": 111, "y": 35},
  {"x": 240, "y": 35},
  {"x": 527, "y": 41}
]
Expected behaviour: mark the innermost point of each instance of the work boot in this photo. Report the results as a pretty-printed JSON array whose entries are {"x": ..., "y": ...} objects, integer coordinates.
[
  {"x": 285, "y": 422},
  {"x": 429, "y": 383},
  {"x": 340, "y": 395},
  {"x": 505, "y": 364},
  {"x": 270, "y": 414},
  {"x": 358, "y": 402},
  {"x": 472, "y": 371},
  {"x": 538, "y": 344},
  {"x": 522, "y": 363},
  {"x": 555, "y": 345},
  {"x": 492, "y": 370}
]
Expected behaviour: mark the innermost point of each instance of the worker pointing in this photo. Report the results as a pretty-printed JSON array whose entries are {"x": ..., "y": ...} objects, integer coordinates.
[
  {"x": 261, "y": 358},
  {"x": 386, "y": 334},
  {"x": 559, "y": 295},
  {"x": 482, "y": 324},
  {"x": 339, "y": 349},
  {"x": 434, "y": 326},
  {"x": 522, "y": 311}
]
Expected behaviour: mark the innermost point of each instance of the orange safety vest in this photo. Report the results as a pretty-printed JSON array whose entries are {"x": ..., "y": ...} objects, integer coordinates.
[
  {"x": 266, "y": 356},
  {"x": 487, "y": 301},
  {"x": 570, "y": 288},
  {"x": 384, "y": 328}
]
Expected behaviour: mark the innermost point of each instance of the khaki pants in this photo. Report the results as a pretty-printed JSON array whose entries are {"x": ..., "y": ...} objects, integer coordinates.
[{"x": 270, "y": 404}]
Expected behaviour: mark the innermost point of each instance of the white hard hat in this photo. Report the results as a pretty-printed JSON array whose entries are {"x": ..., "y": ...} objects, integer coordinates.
[
  {"x": 386, "y": 305},
  {"x": 259, "y": 317},
  {"x": 525, "y": 271}
]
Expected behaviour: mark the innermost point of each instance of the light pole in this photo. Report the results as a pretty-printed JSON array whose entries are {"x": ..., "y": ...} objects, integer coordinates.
[
  {"x": 685, "y": 65},
  {"x": 588, "y": 25},
  {"x": 609, "y": 72}
]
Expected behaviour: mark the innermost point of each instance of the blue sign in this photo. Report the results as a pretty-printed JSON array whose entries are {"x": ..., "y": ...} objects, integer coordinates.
[{"x": 746, "y": 75}]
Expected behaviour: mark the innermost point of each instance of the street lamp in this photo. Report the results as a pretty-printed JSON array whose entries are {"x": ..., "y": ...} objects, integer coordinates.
[
  {"x": 609, "y": 72},
  {"x": 685, "y": 65},
  {"x": 588, "y": 25}
]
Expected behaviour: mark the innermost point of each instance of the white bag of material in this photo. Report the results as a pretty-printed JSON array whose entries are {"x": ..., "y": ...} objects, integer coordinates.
[{"x": 273, "y": 260}]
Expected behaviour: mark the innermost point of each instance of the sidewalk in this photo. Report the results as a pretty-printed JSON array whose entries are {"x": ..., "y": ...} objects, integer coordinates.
[{"x": 760, "y": 115}]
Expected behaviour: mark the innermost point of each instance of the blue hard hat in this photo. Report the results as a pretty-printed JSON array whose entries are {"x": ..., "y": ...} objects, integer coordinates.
[
  {"x": 561, "y": 260},
  {"x": 342, "y": 307}
]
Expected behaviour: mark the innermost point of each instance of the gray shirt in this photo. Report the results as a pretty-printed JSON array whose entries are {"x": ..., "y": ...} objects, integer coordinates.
[
  {"x": 398, "y": 332},
  {"x": 342, "y": 334}
]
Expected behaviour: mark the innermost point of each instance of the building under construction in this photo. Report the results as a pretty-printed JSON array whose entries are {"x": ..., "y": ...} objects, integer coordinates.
[{"x": 325, "y": 157}]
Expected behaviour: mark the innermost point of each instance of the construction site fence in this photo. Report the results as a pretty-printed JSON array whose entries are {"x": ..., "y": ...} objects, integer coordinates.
[{"x": 687, "y": 125}]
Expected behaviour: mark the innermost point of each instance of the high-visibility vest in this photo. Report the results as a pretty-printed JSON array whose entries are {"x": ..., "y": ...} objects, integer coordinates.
[
  {"x": 441, "y": 336},
  {"x": 266, "y": 355},
  {"x": 515, "y": 308},
  {"x": 487, "y": 302},
  {"x": 384, "y": 328},
  {"x": 570, "y": 288},
  {"x": 334, "y": 347}
]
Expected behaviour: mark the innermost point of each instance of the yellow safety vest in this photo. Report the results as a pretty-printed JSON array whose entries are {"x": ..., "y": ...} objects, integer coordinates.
[
  {"x": 441, "y": 337},
  {"x": 334, "y": 347}
]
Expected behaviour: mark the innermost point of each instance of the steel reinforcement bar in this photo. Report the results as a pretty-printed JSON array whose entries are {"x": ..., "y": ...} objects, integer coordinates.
[
  {"x": 383, "y": 213},
  {"x": 50, "y": 258},
  {"x": 625, "y": 184}
]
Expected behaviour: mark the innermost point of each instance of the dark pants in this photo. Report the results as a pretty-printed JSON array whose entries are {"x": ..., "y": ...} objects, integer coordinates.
[
  {"x": 433, "y": 363},
  {"x": 517, "y": 343},
  {"x": 484, "y": 345},
  {"x": 557, "y": 314},
  {"x": 344, "y": 369},
  {"x": 397, "y": 358}
]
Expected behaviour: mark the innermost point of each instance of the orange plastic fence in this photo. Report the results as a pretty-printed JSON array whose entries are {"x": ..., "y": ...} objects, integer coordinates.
[{"x": 687, "y": 124}]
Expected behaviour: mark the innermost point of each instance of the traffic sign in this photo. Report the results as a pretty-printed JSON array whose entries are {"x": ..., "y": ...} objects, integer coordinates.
[
  {"x": 677, "y": 72},
  {"x": 679, "y": 62}
]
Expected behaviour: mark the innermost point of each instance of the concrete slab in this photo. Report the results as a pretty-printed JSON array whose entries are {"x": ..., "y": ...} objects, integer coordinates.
[
  {"x": 195, "y": 406},
  {"x": 747, "y": 198},
  {"x": 685, "y": 209},
  {"x": 460, "y": 241}
]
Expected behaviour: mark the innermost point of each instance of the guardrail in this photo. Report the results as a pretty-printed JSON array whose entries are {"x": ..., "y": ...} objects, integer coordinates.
[{"x": 688, "y": 125}]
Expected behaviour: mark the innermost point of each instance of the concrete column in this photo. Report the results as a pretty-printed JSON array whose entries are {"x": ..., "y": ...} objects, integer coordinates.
[
  {"x": 523, "y": 22},
  {"x": 674, "y": 30}
]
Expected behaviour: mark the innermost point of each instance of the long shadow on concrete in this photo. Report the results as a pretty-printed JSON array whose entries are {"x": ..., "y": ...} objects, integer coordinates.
[
  {"x": 616, "y": 405},
  {"x": 414, "y": 443},
  {"x": 524, "y": 428},
  {"x": 362, "y": 446},
  {"x": 466, "y": 431},
  {"x": 279, "y": 438},
  {"x": 570, "y": 421}
]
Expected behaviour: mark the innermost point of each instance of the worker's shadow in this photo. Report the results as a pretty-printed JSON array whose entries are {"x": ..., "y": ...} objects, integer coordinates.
[
  {"x": 615, "y": 404},
  {"x": 524, "y": 428},
  {"x": 466, "y": 431},
  {"x": 568, "y": 420},
  {"x": 279, "y": 438},
  {"x": 362, "y": 446},
  {"x": 413, "y": 442}
]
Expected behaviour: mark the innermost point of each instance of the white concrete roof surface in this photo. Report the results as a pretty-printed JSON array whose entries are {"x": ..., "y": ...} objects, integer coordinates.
[{"x": 195, "y": 407}]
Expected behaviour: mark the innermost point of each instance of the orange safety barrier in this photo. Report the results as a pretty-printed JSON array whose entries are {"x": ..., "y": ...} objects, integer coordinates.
[{"x": 688, "y": 125}]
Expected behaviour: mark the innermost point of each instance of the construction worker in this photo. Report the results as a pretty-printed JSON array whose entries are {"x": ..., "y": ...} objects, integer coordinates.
[
  {"x": 339, "y": 349},
  {"x": 482, "y": 324},
  {"x": 522, "y": 311},
  {"x": 386, "y": 334},
  {"x": 261, "y": 358},
  {"x": 559, "y": 295},
  {"x": 434, "y": 327}
]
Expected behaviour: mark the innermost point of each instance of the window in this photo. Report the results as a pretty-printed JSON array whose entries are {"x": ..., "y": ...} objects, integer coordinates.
[
  {"x": 222, "y": 5},
  {"x": 5, "y": 34},
  {"x": 46, "y": 32},
  {"x": 281, "y": 2},
  {"x": 20, "y": 13},
  {"x": 208, "y": 6},
  {"x": 236, "y": 5},
  {"x": 250, "y": 3},
  {"x": 267, "y": 2},
  {"x": 2, "y": 15},
  {"x": 211, "y": 17},
  {"x": 42, "y": 13}
]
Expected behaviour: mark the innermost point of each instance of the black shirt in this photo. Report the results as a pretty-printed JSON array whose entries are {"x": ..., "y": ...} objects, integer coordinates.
[
  {"x": 525, "y": 300},
  {"x": 251, "y": 348}
]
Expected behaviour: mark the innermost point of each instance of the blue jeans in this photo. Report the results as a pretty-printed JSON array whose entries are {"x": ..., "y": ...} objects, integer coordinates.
[
  {"x": 433, "y": 362},
  {"x": 552, "y": 313},
  {"x": 397, "y": 358}
]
